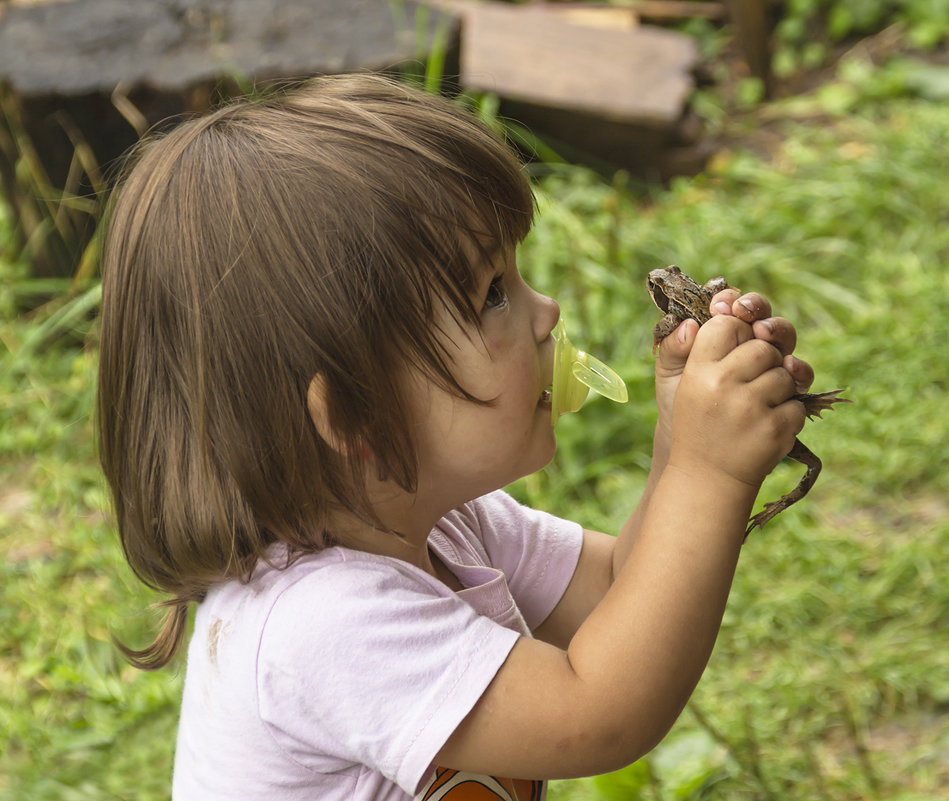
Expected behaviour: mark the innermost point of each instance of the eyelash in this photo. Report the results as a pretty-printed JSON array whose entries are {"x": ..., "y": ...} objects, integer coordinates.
[{"x": 496, "y": 288}]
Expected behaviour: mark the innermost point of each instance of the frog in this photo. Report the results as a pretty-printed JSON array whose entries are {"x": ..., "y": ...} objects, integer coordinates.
[{"x": 679, "y": 297}]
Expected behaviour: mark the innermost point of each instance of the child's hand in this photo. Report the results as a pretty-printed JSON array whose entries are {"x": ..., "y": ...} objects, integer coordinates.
[
  {"x": 754, "y": 308},
  {"x": 751, "y": 308},
  {"x": 731, "y": 411}
]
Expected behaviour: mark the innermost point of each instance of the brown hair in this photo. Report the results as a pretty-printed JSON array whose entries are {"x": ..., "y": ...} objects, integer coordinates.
[{"x": 248, "y": 251}]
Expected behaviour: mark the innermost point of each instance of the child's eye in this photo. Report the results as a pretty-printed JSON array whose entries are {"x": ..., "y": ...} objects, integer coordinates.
[{"x": 497, "y": 296}]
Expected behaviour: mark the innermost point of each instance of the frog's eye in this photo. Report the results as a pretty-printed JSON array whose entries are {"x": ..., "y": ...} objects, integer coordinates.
[{"x": 657, "y": 290}]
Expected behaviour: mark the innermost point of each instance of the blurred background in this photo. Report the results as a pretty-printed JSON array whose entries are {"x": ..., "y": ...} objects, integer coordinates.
[{"x": 797, "y": 147}]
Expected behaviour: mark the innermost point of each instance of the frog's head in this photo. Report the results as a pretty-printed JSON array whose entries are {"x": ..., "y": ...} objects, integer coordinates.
[{"x": 658, "y": 284}]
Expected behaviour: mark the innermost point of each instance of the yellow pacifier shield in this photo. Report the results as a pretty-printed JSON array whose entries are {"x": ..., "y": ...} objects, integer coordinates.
[{"x": 576, "y": 373}]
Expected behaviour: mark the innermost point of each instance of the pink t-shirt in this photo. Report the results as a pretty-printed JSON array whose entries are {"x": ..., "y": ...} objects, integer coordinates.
[{"x": 342, "y": 675}]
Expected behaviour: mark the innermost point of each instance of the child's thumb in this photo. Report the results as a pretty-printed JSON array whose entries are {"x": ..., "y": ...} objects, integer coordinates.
[{"x": 674, "y": 349}]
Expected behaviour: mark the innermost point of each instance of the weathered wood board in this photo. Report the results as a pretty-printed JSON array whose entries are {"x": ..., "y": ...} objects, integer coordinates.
[
  {"x": 534, "y": 54},
  {"x": 75, "y": 46}
]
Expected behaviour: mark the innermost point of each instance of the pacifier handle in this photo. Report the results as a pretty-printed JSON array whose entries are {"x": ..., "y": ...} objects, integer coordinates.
[{"x": 576, "y": 373}]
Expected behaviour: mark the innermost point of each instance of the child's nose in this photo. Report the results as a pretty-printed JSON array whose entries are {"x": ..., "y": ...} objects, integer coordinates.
[{"x": 546, "y": 316}]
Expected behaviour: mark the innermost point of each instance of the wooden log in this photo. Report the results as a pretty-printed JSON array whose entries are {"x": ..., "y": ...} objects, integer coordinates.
[{"x": 81, "y": 80}]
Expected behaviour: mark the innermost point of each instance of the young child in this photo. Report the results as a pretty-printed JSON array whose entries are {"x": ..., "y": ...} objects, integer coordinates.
[{"x": 319, "y": 365}]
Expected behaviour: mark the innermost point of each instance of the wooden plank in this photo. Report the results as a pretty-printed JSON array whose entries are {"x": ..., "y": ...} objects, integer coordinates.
[
  {"x": 641, "y": 10},
  {"x": 592, "y": 15},
  {"x": 525, "y": 53},
  {"x": 677, "y": 10}
]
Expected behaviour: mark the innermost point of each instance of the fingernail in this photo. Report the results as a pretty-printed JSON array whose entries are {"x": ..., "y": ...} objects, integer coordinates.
[
  {"x": 746, "y": 305},
  {"x": 722, "y": 307},
  {"x": 681, "y": 333},
  {"x": 767, "y": 324}
]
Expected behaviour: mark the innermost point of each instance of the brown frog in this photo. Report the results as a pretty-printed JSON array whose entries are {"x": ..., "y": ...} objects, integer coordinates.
[{"x": 681, "y": 298}]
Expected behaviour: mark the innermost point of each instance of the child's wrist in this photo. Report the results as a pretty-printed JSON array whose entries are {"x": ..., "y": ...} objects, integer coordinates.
[
  {"x": 661, "y": 442},
  {"x": 714, "y": 477},
  {"x": 704, "y": 500}
]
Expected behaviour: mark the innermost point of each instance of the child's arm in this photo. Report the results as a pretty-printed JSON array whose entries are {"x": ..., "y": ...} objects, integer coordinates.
[
  {"x": 752, "y": 308},
  {"x": 603, "y": 556},
  {"x": 632, "y": 664}
]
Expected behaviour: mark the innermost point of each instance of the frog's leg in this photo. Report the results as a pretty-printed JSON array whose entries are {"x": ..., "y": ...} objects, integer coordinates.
[
  {"x": 814, "y": 404},
  {"x": 715, "y": 285},
  {"x": 799, "y": 453},
  {"x": 663, "y": 328}
]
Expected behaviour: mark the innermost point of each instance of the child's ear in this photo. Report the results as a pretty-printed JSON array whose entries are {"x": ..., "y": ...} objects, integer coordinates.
[{"x": 318, "y": 407}]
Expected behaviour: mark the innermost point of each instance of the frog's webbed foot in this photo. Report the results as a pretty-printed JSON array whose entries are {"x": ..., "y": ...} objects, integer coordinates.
[
  {"x": 663, "y": 328},
  {"x": 770, "y": 510},
  {"x": 799, "y": 453},
  {"x": 815, "y": 404},
  {"x": 715, "y": 285}
]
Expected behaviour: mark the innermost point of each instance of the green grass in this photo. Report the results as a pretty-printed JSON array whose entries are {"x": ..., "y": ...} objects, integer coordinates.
[{"x": 831, "y": 676}]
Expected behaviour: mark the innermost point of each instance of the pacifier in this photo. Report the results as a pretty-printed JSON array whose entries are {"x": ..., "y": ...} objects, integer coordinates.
[{"x": 576, "y": 373}]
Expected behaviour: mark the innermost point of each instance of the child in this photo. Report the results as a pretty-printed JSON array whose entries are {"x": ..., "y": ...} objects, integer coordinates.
[{"x": 319, "y": 364}]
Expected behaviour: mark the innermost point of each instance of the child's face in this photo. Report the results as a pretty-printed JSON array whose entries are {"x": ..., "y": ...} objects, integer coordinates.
[{"x": 466, "y": 449}]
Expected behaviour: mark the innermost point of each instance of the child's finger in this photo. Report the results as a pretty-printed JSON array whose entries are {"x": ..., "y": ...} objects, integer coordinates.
[
  {"x": 778, "y": 331},
  {"x": 776, "y": 386},
  {"x": 719, "y": 337},
  {"x": 674, "y": 349},
  {"x": 800, "y": 371},
  {"x": 748, "y": 307},
  {"x": 752, "y": 360},
  {"x": 752, "y": 306}
]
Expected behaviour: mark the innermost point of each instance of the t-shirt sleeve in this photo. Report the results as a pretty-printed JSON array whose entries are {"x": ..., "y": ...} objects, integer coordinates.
[
  {"x": 363, "y": 664},
  {"x": 537, "y": 552}
]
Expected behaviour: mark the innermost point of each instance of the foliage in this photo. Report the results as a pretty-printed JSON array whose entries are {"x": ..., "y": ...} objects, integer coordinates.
[
  {"x": 77, "y": 723},
  {"x": 54, "y": 222},
  {"x": 825, "y": 683},
  {"x": 808, "y": 29}
]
